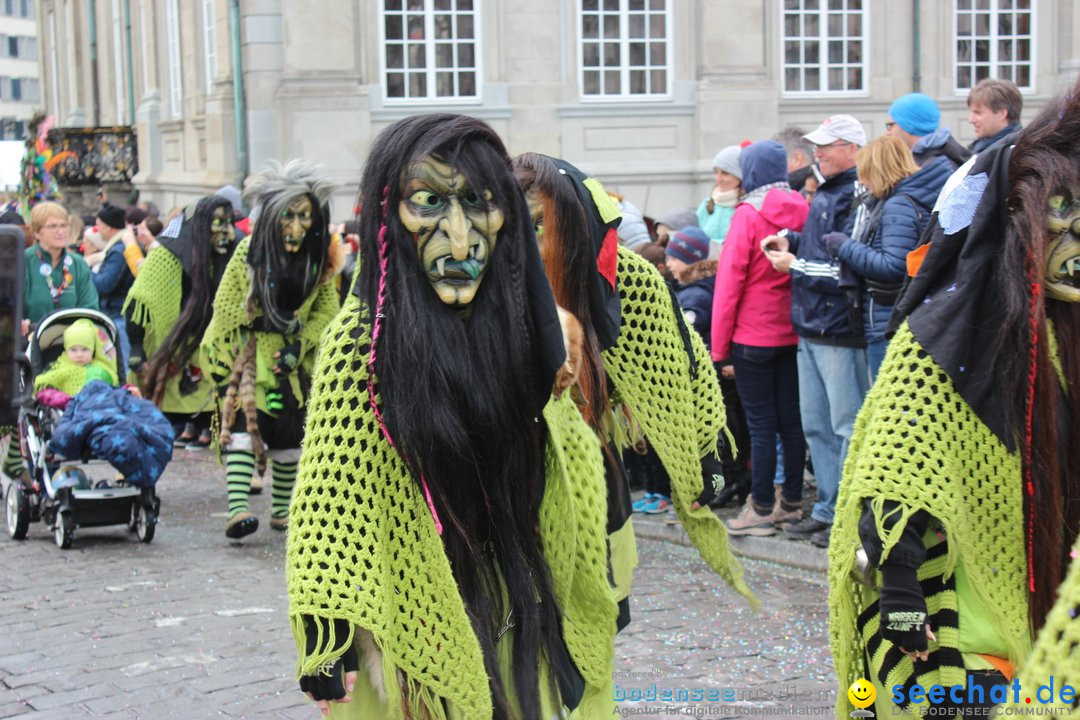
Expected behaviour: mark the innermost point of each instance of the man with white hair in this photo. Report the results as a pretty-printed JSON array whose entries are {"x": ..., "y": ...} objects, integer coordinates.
[{"x": 833, "y": 372}]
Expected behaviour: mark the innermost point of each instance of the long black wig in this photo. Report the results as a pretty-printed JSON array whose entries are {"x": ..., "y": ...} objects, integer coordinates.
[
  {"x": 203, "y": 269},
  {"x": 462, "y": 392}
]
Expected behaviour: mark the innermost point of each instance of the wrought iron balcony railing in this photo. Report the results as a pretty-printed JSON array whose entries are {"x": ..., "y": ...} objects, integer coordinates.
[{"x": 94, "y": 156}]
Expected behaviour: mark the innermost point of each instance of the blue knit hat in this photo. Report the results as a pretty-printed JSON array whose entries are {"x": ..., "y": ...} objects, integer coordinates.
[
  {"x": 690, "y": 245},
  {"x": 916, "y": 113}
]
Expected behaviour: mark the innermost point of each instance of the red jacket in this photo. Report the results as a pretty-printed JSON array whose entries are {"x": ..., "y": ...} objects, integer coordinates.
[{"x": 752, "y": 302}]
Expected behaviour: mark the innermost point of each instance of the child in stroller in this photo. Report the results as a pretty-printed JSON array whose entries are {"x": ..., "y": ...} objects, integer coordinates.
[{"x": 77, "y": 413}]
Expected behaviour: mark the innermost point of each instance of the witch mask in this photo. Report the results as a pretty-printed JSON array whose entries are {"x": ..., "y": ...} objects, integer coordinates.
[
  {"x": 1062, "y": 280},
  {"x": 455, "y": 228}
]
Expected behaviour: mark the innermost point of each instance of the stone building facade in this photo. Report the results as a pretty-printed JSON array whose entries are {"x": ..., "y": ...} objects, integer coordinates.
[
  {"x": 20, "y": 89},
  {"x": 640, "y": 93}
]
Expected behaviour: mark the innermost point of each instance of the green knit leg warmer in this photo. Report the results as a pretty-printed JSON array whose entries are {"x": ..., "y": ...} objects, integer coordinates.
[
  {"x": 239, "y": 467},
  {"x": 13, "y": 463},
  {"x": 281, "y": 492}
]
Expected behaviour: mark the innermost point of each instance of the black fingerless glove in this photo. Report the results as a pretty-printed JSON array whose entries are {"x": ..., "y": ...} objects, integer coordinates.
[
  {"x": 327, "y": 682},
  {"x": 712, "y": 479},
  {"x": 903, "y": 608},
  {"x": 288, "y": 358}
]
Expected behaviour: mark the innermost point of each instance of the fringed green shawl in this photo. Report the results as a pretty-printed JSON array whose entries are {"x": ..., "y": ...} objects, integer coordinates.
[
  {"x": 1057, "y": 649},
  {"x": 681, "y": 412},
  {"x": 917, "y": 443},
  {"x": 154, "y": 303},
  {"x": 362, "y": 546},
  {"x": 231, "y": 325}
]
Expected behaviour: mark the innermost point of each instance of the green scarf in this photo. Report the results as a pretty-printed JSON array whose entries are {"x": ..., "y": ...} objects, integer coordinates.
[
  {"x": 1057, "y": 649},
  {"x": 231, "y": 326},
  {"x": 153, "y": 303},
  {"x": 362, "y": 545},
  {"x": 680, "y": 411},
  {"x": 917, "y": 443}
]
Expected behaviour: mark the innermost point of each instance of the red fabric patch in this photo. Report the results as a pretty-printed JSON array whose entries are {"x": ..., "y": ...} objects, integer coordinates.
[{"x": 607, "y": 261}]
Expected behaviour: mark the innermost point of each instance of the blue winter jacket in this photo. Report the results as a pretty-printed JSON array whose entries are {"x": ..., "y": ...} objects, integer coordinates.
[
  {"x": 820, "y": 309},
  {"x": 113, "y": 279},
  {"x": 129, "y": 432},
  {"x": 879, "y": 250},
  {"x": 696, "y": 300}
]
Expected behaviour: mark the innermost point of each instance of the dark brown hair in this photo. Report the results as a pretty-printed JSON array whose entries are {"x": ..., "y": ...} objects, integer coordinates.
[{"x": 1044, "y": 163}]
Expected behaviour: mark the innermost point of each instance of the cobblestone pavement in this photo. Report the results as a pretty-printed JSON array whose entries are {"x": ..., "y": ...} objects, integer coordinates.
[{"x": 193, "y": 626}]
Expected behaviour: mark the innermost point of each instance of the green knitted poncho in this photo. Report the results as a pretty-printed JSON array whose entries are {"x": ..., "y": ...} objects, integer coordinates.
[
  {"x": 153, "y": 303},
  {"x": 681, "y": 412},
  {"x": 362, "y": 546},
  {"x": 1057, "y": 649},
  {"x": 917, "y": 443},
  {"x": 230, "y": 327}
]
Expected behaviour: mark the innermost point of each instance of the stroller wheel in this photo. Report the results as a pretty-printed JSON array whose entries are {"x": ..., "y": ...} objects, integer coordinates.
[
  {"x": 64, "y": 530},
  {"x": 17, "y": 506},
  {"x": 143, "y": 521}
]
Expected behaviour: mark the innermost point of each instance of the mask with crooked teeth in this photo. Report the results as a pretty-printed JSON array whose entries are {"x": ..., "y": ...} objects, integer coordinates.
[
  {"x": 221, "y": 231},
  {"x": 1062, "y": 280},
  {"x": 455, "y": 228},
  {"x": 295, "y": 222}
]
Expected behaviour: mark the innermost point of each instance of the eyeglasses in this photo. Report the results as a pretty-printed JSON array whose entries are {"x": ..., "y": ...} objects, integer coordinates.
[
  {"x": 54, "y": 227},
  {"x": 890, "y": 125}
]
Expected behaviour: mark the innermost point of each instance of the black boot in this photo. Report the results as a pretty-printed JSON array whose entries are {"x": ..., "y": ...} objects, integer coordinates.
[{"x": 736, "y": 489}]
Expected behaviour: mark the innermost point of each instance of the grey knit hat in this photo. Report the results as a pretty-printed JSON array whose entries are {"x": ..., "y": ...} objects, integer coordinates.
[
  {"x": 678, "y": 218},
  {"x": 728, "y": 161}
]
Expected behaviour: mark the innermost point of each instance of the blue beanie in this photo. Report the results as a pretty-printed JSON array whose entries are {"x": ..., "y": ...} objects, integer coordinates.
[
  {"x": 916, "y": 114},
  {"x": 690, "y": 245},
  {"x": 763, "y": 162}
]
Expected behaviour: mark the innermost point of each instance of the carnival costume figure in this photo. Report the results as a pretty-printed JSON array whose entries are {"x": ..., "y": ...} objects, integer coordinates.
[
  {"x": 643, "y": 371},
  {"x": 962, "y": 484},
  {"x": 169, "y": 308},
  {"x": 275, "y": 300},
  {"x": 447, "y": 532}
]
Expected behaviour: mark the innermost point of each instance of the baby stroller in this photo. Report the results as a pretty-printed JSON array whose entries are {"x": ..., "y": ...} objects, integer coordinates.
[{"x": 60, "y": 492}]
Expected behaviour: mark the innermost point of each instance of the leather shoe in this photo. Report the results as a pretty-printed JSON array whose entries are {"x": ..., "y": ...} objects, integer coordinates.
[{"x": 806, "y": 527}]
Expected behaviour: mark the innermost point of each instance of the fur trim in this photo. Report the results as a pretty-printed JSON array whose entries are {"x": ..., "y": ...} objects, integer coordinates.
[
  {"x": 574, "y": 343},
  {"x": 335, "y": 259},
  {"x": 698, "y": 271},
  {"x": 372, "y": 658}
]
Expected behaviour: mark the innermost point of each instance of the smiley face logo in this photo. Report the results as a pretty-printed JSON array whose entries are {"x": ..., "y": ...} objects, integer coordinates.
[{"x": 862, "y": 693}]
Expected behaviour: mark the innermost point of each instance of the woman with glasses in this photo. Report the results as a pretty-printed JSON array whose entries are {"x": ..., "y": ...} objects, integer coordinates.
[{"x": 55, "y": 278}]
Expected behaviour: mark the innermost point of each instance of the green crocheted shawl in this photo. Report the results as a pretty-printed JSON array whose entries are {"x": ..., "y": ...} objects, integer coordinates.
[
  {"x": 153, "y": 303},
  {"x": 230, "y": 327},
  {"x": 69, "y": 378},
  {"x": 362, "y": 545},
  {"x": 1057, "y": 649},
  {"x": 917, "y": 443},
  {"x": 681, "y": 412}
]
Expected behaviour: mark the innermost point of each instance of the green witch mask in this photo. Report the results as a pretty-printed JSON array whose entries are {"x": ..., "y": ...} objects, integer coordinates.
[
  {"x": 1062, "y": 279},
  {"x": 455, "y": 228}
]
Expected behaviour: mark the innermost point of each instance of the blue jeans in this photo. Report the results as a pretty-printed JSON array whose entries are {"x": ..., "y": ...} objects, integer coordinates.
[
  {"x": 767, "y": 380},
  {"x": 875, "y": 355},
  {"x": 832, "y": 384}
]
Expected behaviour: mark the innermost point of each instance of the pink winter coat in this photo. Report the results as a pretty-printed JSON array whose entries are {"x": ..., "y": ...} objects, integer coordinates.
[{"x": 752, "y": 302}]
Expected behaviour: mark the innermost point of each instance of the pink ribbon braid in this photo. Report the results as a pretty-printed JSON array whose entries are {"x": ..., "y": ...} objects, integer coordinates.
[{"x": 376, "y": 328}]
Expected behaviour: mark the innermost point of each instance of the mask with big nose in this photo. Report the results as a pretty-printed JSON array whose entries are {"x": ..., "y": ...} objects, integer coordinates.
[
  {"x": 295, "y": 222},
  {"x": 1062, "y": 278},
  {"x": 455, "y": 228}
]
